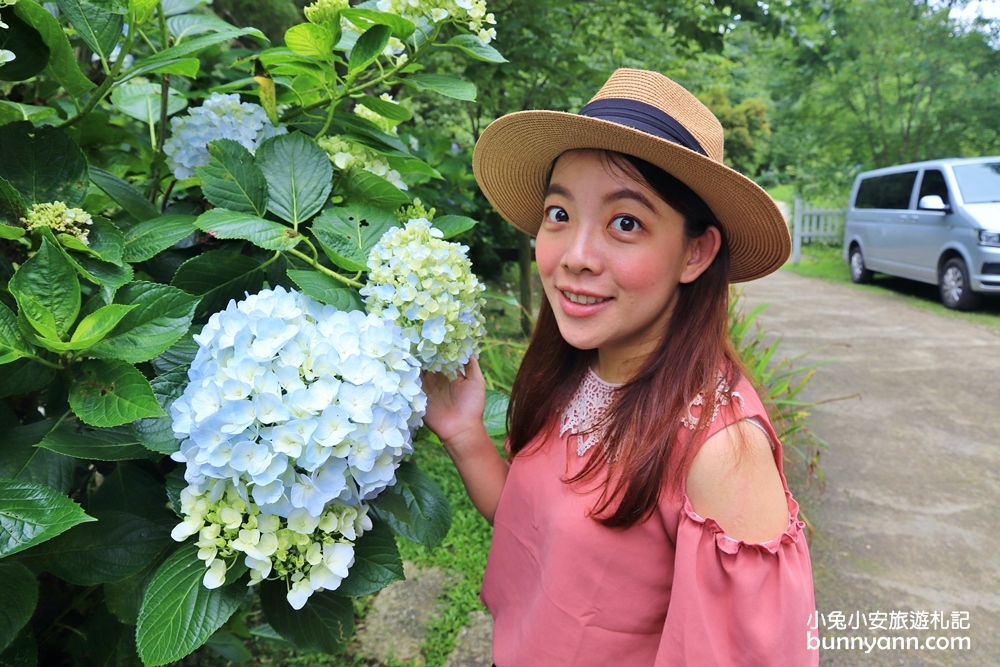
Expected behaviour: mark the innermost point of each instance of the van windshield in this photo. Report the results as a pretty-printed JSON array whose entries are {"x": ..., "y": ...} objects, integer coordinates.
[{"x": 979, "y": 183}]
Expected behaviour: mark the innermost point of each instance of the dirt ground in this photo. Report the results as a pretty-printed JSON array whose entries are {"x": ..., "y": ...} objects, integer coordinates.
[{"x": 909, "y": 520}]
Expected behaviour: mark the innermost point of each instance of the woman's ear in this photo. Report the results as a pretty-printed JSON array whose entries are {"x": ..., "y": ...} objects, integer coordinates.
[{"x": 700, "y": 254}]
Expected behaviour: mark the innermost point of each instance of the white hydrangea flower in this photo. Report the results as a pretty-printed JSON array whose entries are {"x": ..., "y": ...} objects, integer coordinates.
[
  {"x": 348, "y": 154},
  {"x": 293, "y": 410},
  {"x": 219, "y": 117},
  {"x": 6, "y": 56},
  {"x": 471, "y": 13},
  {"x": 425, "y": 285}
]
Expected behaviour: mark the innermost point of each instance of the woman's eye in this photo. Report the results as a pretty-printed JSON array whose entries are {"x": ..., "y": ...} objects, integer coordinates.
[
  {"x": 556, "y": 214},
  {"x": 625, "y": 223}
]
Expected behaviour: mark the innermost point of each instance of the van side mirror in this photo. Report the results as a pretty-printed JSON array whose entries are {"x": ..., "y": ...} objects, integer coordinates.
[{"x": 933, "y": 203}]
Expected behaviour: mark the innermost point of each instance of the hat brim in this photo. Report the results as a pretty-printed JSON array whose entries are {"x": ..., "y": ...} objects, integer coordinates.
[{"x": 514, "y": 154}]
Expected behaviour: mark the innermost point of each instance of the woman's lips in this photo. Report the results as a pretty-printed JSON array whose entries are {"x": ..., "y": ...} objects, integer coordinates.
[{"x": 581, "y": 305}]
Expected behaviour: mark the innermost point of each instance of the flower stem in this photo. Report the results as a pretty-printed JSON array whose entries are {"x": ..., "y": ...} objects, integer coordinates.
[{"x": 322, "y": 269}]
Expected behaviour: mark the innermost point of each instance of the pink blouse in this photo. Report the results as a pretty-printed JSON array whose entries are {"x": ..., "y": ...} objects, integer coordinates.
[{"x": 672, "y": 591}]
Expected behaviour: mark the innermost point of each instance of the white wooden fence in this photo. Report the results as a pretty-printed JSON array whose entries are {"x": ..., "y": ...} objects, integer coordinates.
[{"x": 814, "y": 224}]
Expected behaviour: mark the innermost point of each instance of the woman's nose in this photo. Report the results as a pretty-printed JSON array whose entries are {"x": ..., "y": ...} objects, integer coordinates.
[{"x": 582, "y": 252}]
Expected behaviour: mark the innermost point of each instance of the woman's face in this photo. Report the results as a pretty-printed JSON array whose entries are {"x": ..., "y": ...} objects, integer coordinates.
[{"x": 611, "y": 254}]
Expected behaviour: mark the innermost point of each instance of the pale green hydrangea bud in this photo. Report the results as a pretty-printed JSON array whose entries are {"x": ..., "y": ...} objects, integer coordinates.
[
  {"x": 348, "y": 154},
  {"x": 415, "y": 210},
  {"x": 325, "y": 11},
  {"x": 471, "y": 13},
  {"x": 60, "y": 219},
  {"x": 426, "y": 285}
]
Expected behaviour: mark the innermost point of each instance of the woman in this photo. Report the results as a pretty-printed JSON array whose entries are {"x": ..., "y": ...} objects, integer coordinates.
[{"x": 641, "y": 517}]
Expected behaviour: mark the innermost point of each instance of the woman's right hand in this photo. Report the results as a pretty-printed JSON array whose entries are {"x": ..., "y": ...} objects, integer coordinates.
[{"x": 455, "y": 407}]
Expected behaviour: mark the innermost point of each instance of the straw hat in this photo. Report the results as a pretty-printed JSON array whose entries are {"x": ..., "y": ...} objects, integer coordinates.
[{"x": 646, "y": 115}]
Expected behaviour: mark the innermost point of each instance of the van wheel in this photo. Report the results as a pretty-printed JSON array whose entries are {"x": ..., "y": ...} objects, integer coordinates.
[
  {"x": 859, "y": 274},
  {"x": 956, "y": 290}
]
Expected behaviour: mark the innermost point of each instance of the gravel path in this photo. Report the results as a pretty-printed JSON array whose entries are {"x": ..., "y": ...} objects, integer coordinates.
[{"x": 908, "y": 521}]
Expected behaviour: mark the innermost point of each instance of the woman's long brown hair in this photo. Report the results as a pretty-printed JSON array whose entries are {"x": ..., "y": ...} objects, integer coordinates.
[{"x": 644, "y": 455}]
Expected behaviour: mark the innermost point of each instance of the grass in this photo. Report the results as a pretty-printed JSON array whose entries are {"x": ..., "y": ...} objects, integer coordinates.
[{"x": 825, "y": 262}]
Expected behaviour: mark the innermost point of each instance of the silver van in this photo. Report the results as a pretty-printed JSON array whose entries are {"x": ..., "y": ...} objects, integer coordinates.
[{"x": 936, "y": 221}]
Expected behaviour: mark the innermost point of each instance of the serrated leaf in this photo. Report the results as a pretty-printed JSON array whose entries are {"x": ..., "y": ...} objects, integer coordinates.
[
  {"x": 47, "y": 291},
  {"x": 104, "y": 274},
  {"x": 179, "y": 614},
  {"x": 31, "y": 514},
  {"x": 111, "y": 393},
  {"x": 495, "y": 414},
  {"x": 23, "y": 377},
  {"x": 386, "y": 109},
  {"x": 98, "y": 324},
  {"x": 429, "y": 510},
  {"x": 453, "y": 225},
  {"x": 326, "y": 289},
  {"x": 15, "y": 111},
  {"x": 98, "y": 28},
  {"x": 197, "y": 45},
  {"x": 12, "y": 209},
  {"x": 473, "y": 46},
  {"x": 232, "y": 180},
  {"x": 13, "y": 345},
  {"x": 62, "y": 65},
  {"x": 43, "y": 164},
  {"x": 224, "y": 224},
  {"x": 157, "y": 433},
  {"x": 444, "y": 84},
  {"x": 299, "y": 176},
  {"x": 401, "y": 28},
  {"x": 368, "y": 47},
  {"x": 181, "y": 353},
  {"x": 162, "y": 314},
  {"x": 374, "y": 190},
  {"x": 117, "y": 546},
  {"x": 18, "y": 597},
  {"x": 21, "y": 460},
  {"x": 124, "y": 598},
  {"x": 187, "y": 67},
  {"x": 324, "y": 624},
  {"x": 376, "y": 563},
  {"x": 189, "y": 25},
  {"x": 152, "y": 236},
  {"x": 94, "y": 444},
  {"x": 142, "y": 101},
  {"x": 309, "y": 39},
  {"x": 348, "y": 233},
  {"x": 124, "y": 194},
  {"x": 218, "y": 276},
  {"x": 105, "y": 241}
]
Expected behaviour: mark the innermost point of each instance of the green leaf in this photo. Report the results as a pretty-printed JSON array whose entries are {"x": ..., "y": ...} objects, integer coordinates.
[
  {"x": 348, "y": 233},
  {"x": 105, "y": 241},
  {"x": 219, "y": 276},
  {"x": 326, "y": 289},
  {"x": 43, "y": 164},
  {"x": 197, "y": 45},
  {"x": 181, "y": 66},
  {"x": 132, "y": 489},
  {"x": 47, "y": 291},
  {"x": 444, "y": 84},
  {"x": 386, "y": 109},
  {"x": 98, "y": 324},
  {"x": 175, "y": 483},
  {"x": 21, "y": 460},
  {"x": 124, "y": 194},
  {"x": 62, "y": 64},
  {"x": 179, "y": 614},
  {"x": 180, "y": 354},
  {"x": 453, "y": 225},
  {"x": 376, "y": 563},
  {"x": 23, "y": 377},
  {"x": 188, "y": 25},
  {"x": 368, "y": 47},
  {"x": 232, "y": 179},
  {"x": 299, "y": 176},
  {"x": 14, "y": 111},
  {"x": 430, "y": 513},
  {"x": 309, "y": 39},
  {"x": 31, "y": 514},
  {"x": 401, "y": 28},
  {"x": 175, "y": 7},
  {"x": 324, "y": 624},
  {"x": 23, "y": 652},
  {"x": 365, "y": 186},
  {"x": 152, "y": 236},
  {"x": 13, "y": 346},
  {"x": 142, "y": 101},
  {"x": 27, "y": 44},
  {"x": 223, "y": 224},
  {"x": 18, "y": 597},
  {"x": 161, "y": 316},
  {"x": 124, "y": 598},
  {"x": 12, "y": 209},
  {"x": 112, "y": 393},
  {"x": 98, "y": 28},
  {"x": 495, "y": 414},
  {"x": 157, "y": 433},
  {"x": 94, "y": 444},
  {"x": 229, "y": 646},
  {"x": 472, "y": 45},
  {"x": 117, "y": 546},
  {"x": 110, "y": 276},
  {"x": 10, "y": 233}
]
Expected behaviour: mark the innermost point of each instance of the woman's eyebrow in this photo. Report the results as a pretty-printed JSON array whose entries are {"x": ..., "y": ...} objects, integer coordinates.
[
  {"x": 555, "y": 189},
  {"x": 626, "y": 193}
]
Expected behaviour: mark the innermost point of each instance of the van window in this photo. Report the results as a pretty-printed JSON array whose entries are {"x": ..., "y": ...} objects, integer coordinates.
[
  {"x": 933, "y": 184},
  {"x": 979, "y": 183},
  {"x": 889, "y": 191}
]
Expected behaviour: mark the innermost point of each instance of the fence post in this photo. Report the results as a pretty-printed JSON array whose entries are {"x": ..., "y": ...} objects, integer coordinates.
[{"x": 797, "y": 231}]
